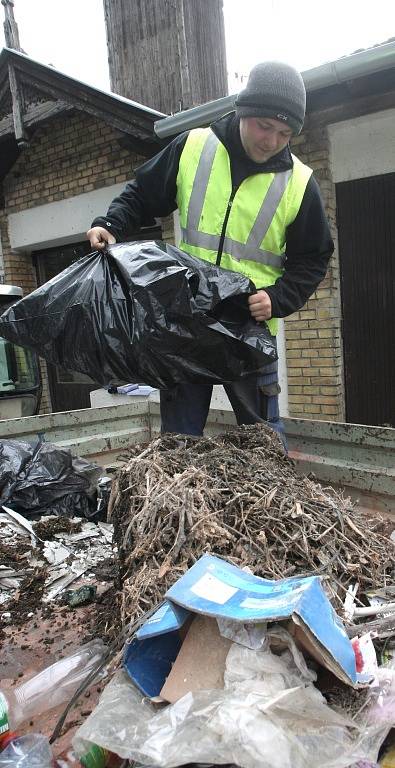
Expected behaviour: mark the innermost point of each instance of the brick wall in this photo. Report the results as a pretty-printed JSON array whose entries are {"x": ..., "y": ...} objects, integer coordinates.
[
  {"x": 71, "y": 155},
  {"x": 313, "y": 342}
]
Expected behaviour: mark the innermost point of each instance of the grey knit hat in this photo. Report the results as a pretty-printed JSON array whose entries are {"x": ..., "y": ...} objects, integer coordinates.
[{"x": 274, "y": 90}]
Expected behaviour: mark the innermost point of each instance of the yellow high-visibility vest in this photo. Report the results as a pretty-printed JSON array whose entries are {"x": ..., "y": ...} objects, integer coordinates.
[{"x": 258, "y": 215}]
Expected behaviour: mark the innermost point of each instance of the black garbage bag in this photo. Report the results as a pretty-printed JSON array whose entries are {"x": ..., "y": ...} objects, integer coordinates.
[
  {"x": 144, "y": 312},
  {"x": 42, "y": 478}
]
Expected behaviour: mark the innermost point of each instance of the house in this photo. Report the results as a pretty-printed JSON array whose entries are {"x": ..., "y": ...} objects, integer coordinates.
[
  {"x": 72, "y": 147},
  {"x": 66, "y": 149}
]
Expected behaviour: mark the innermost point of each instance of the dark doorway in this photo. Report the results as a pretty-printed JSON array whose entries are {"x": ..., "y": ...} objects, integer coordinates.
[
  {"x": 70, "y": 390},
  {"x": 366, "y": 224}
]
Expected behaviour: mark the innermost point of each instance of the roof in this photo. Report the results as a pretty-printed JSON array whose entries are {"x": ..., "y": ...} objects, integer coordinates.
[
  {"x": 365, "y": 73},
  {"x": 369, "y": 48},
  {"x": 48, "y": 92}
]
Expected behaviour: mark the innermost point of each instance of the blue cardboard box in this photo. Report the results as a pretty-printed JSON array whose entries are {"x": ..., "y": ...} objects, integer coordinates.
[{"x": 214, "y": 587}]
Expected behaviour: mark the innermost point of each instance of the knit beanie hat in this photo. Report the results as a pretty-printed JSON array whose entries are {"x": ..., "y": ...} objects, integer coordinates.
[{"x": 274, "y": 90}]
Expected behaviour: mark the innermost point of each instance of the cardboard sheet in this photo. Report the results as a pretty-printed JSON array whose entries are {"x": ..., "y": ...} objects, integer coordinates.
[{"x": 200, "y": 664}]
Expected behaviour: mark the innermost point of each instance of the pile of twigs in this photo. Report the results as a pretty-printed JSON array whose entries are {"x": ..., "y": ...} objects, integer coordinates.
[{"x": 236, "y": 495}]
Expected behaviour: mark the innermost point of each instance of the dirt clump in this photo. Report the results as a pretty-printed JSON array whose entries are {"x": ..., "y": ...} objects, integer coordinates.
[
  {"x": 29, "y": 597},
  {"x": 13, "y": 555},
  {"x": 46, "y": 528}
]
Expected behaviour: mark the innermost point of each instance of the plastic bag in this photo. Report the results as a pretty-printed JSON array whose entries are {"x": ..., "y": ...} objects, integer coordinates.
[
  {"x": 43, "y": 478},
  {"x": 269, "y": 714},
  {"x": 251, "y": 635},
  {"x": 245, "y": 667},
  {"x": 144, "y": 312}
]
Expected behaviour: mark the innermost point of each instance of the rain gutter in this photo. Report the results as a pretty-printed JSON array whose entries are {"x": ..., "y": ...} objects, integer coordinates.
[{"x": 365, "y": 62}]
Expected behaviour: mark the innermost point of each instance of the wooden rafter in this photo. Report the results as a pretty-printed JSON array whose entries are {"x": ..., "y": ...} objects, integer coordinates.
[
  {"x": 114, "y": 115},
  {"x": 18, "y": 107}
]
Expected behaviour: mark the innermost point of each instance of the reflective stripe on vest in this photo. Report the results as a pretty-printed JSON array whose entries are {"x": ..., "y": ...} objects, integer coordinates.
[
  {"x": 233, "y": 247},
  {"x": 250, "y": 251}
]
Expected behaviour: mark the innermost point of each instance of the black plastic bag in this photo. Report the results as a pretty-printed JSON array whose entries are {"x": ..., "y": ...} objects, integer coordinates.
[
  {"x": 42, "y": 478},
  {"x": 144, "y": 312}
]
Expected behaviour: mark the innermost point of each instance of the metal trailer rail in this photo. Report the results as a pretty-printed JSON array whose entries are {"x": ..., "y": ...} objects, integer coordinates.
[{"x": 358, "y": 458}]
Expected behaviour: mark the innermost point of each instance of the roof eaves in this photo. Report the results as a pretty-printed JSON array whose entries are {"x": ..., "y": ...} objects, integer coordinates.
[
  {"x": 372, "y": 60},
  {"x": 27, "y": 65}
]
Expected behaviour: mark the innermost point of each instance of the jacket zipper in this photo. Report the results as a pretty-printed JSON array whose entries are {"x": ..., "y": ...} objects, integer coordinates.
[{"x": 222, "y": 238}]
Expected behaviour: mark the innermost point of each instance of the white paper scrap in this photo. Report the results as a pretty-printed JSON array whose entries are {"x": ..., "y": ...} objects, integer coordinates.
[{"x": 212, "y": 589}]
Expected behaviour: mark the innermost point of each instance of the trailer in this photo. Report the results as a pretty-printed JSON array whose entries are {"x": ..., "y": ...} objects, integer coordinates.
[{"x": 357, "y": 458}]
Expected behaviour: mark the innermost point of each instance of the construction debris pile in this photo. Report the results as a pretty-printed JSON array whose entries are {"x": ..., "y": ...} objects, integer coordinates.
[
  {"x": 221, "y": 647},
  {"x": 238, "y": 496},
  {"x": 41, "y": 563}
]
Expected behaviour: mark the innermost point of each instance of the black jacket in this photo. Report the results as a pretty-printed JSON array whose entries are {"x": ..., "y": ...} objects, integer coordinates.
[{"x": 152, "y": 194}]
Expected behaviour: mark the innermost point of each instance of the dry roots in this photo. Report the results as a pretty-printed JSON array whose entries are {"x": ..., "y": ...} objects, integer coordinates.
[{"x": 237, "y": 496}]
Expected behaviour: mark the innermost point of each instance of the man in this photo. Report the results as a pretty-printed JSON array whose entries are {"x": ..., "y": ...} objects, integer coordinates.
[{"x": 245, "y": 203}]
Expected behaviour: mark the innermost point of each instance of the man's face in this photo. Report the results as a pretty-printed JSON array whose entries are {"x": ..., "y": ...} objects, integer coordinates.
[{"x": 263, "y": 137}]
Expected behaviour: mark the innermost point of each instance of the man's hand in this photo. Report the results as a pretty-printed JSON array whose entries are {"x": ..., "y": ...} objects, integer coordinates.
[
  {"x": 99, "y": 237},
  {"x": 260, "y": 306}
]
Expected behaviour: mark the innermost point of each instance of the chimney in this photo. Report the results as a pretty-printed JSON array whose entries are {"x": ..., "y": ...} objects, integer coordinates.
[
  {"x": 167, "y": 54},
  {"x": 10, "y": 26}
]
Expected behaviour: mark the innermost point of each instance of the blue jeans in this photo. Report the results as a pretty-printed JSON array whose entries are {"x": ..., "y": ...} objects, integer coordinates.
[{"x": 184, "y": 408}]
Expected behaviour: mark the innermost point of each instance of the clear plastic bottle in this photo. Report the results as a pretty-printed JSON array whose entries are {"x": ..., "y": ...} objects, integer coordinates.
[
  {"x": 30, "y": 751},
  {"x": 50, "y": 688}
]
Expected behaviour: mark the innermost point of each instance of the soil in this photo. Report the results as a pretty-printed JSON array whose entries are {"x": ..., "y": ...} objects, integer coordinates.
[
  {"x": 108, "y": 570},
  {"x": 106, "y": 618},
  {"x": 40, "y": 641},
  {"x": 106, "y": 621},
  {"x": 37, "y": 634},
  {"x": 339, "y": 695},
  {"x": 12, "y": 555},
  {"x": 29, "y": 597},
  {"x": 46, "y": 528}
]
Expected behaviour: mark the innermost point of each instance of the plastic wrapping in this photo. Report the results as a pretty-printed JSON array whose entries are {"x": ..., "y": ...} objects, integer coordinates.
[
  {"x": 382, "y": 704},
  {"x": 40, "y": 478},
  {"x": 269, "y": 714},
  {"x": 103, "y": 498},
  {"x": 144, "y": 312},
  {"x": 251, "y": 635},
  {"x": 30, "y": 751},
  {"x": 117, "y": 721}
]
